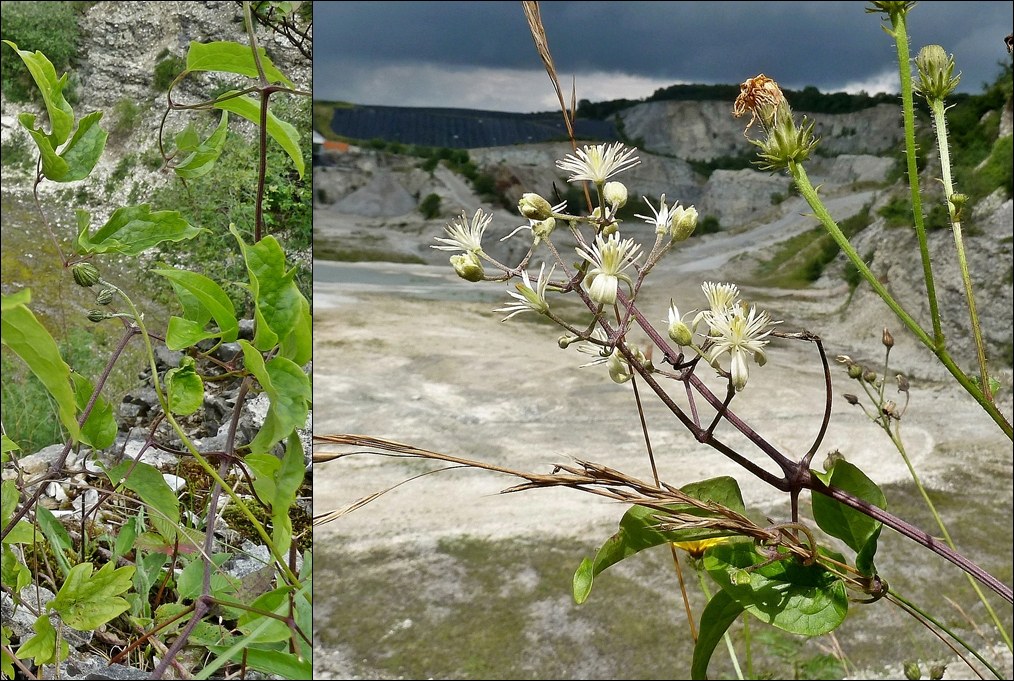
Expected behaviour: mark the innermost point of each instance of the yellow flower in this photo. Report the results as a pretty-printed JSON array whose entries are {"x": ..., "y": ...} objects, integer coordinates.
[{"x": 697, "y": 548}]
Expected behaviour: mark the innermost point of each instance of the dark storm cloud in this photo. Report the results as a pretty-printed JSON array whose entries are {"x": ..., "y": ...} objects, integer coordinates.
[{"x": 832, "y": 45}]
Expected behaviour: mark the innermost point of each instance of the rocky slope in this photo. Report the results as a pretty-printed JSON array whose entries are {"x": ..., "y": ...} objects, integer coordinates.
[
  {"x": 120, "y": 45},
  {"x": 366, "y": 207}
]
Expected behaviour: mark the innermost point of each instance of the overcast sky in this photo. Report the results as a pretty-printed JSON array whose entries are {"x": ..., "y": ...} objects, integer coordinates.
[{"x": 481, "y": 55}]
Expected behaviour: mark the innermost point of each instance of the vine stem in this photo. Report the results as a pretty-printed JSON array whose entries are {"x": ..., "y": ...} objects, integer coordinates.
[
  {"x": 940, "y": 126},
  {"x": 796, "y": 474},
  {"x": 809, "y": 193}
]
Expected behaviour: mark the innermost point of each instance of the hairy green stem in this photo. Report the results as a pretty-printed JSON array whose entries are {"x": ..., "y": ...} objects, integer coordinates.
[
  {"x": 208, "y": 468},
  {"x": 896, "y": 439},
  {"x": 940, "y": 126},
  {"x": 912, "y": 607},
  {"x": 809, "y": 193},
  {"x": 900, "y": 34}
]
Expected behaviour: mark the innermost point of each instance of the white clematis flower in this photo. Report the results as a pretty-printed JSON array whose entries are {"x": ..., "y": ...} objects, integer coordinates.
[
  {"x": 598, "y": 163},
  {"x": 609, "y": 257}
]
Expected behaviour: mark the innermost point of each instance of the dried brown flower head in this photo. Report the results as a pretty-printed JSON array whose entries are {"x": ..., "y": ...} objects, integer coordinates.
[{"x": 760, "y": 96}]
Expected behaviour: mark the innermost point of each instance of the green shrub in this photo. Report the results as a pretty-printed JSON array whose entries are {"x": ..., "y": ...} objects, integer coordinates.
[
  {"x": 152, "y": 159},
  {"x": 484, "y": 184},
  {"x": 166, "y": 72},
  {"x": 707, "y": 225},
  {"x": 127, "y": 113},
  {"x": 47, "y": 26},
  {"x": 430, "y": 206},
  {"x": 897, "y": 212},
  {"x": 706, "y": 168}
]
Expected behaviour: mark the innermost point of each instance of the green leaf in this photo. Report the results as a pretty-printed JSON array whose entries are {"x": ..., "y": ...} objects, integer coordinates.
[
  {"x": 800, "y": 599},
  {"x": 584, "y": 577},
  {"x": 187, "y": 139},
  {"x": 79, "y": 156},
  {"x": 147, "y": 482},
  {"x": 22, "y": 297},
  {"x": 841, "y": 521},
  {"x": 275, "y": 662},
  {"x": 191, "y": 579},
  {"x": 289, "y": 389},
  {"x": 232, "y": 58},
  {"x": 287, "y": 666},
  {"x": 13, "y": 572},
  {"x": 125, "y": 537},
  {"x": 211, "y": 298},
  {"x": 277, "y": 481},
  {"x": 166, "y": 612},
  {"x": 182, "y": 333},
  {"x": 28, "y": 338},
  {"x": 61, "y": 115},
  {"x": 202, "y": 159},
  {"x": 298, "y": 345},
  {"x": 639, "y": 529},
  {"x": 719, "y": 614},
  {"x": 131, "y": 230},
  {"x": 185, "y": 388},
  {"x": 6, "y": 660},
  {"x": 84, "y": 149},
  {"x": 42, "y": 646},
  {"x": 23, "y": 532},
  {"x": 865, "y": 556},
  {"x": 276, "y": 630},
  {"x": 99, "y": 429},
  {"x": 278, "y": 300},
  {"x": 9, "y": 497},
  {"x": 8, "y": 445},
  {"x": 86, "y": 601},
  {"x": 56, "y": 535},
  {"x": 284, "y": 133},
  {"x": 53, "y": 166}
]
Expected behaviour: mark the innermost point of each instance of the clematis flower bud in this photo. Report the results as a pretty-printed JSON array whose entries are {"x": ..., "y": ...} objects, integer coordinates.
[
  {"x": 684, "y": 222},
  {"x": 887, "y": 339},
  {"x": 534, "y": 207},
  {"x": 543, "y": 228},
  {"x": 468, "y": 266},
  {"x": 105, "y": 296},
  {"x": 615, "y": 194},
  {"x": 85, "y": 274}
]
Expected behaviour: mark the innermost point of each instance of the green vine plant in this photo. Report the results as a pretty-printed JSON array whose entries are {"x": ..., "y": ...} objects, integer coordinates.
[
  {"x": 156, "y": 577},
  {"x": 803, "y": 575}
]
